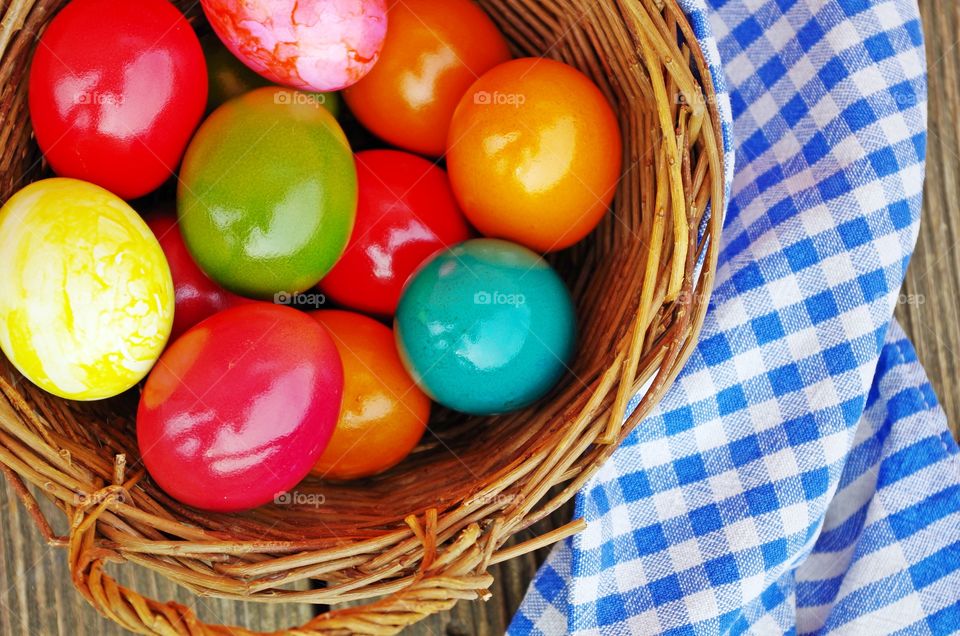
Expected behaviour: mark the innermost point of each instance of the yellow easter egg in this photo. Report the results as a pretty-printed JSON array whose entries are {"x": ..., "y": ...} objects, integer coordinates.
[{"x": 86, "y": 297}]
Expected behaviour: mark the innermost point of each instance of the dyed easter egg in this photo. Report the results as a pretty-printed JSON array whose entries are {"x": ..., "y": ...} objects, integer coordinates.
[
  {"x": 384, "y": 414},
  {"x": 312, "y": 45},
  {"x": 228, "y": 77},
  {"x": 434, "y": 51},
  {"x": 485, "y": 327},
  {"x": 86, "y": 298},
  {"x": 534, "y": 154},
  {"x": 268, "y": 193},
  {"x": 405, "y": 213},
  {"x": 116, "y": 90},
  {"x": 197, "y": 297},
  {"x": 240, "y": 407}
]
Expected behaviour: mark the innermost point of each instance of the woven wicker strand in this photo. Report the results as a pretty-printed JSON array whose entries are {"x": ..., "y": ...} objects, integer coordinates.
[{"x": 419, "y": 538}]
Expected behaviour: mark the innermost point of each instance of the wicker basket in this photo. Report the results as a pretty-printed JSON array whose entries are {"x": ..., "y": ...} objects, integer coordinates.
[{"x": 419, "y": 538}]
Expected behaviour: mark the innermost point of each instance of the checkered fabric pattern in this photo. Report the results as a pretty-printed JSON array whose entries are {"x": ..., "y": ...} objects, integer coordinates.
[{"x": 799, "y": 477}]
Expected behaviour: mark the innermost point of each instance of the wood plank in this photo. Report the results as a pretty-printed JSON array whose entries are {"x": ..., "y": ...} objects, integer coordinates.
[
  {"x": 38, "y": 599},
  {"x": 930, "y": 301}
]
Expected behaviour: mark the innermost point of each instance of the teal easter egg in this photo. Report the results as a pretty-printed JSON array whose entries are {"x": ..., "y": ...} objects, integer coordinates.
[{"x": 486, "y": 327}]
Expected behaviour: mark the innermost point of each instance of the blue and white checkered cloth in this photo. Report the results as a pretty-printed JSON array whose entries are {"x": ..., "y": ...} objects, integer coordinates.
[{"x": 799, "y": 477}]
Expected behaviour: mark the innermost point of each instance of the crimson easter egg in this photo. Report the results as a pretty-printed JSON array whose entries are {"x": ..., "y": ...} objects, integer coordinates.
[
  {"x": 116, "y": 90},
  {"x": 406, "y": 212},
  {"x": 312, "y": 45},
  {"x": 240, "y": 408},
  {"x": 197, "y": 297}
]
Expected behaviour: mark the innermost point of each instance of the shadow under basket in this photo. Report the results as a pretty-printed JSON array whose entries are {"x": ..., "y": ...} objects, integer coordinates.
[{"x": 415, "y": 540}]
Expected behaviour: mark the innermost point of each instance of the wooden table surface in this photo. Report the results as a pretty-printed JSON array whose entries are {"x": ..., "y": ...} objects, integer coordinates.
[{"x": 37, "y": 599}]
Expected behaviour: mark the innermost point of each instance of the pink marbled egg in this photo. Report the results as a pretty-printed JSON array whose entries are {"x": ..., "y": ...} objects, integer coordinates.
[{"x": 313, "y": 45}]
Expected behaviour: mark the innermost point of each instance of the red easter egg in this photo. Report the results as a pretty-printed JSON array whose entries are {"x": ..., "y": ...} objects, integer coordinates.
[
  {"x": 406, "y": 212},
  {"x": 239, "y": 409},
  {"x": 197, "y": 297},
  {"x": 116, "y": 90}
]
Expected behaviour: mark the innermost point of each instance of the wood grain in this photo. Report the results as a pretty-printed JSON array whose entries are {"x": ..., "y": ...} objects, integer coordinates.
[
  {"x": 36, "y": 598},
  {"x": 930, "y": 303}
]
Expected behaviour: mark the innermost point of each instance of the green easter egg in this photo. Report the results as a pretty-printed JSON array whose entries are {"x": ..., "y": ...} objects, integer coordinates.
[{"x": 268, "y": 193}]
